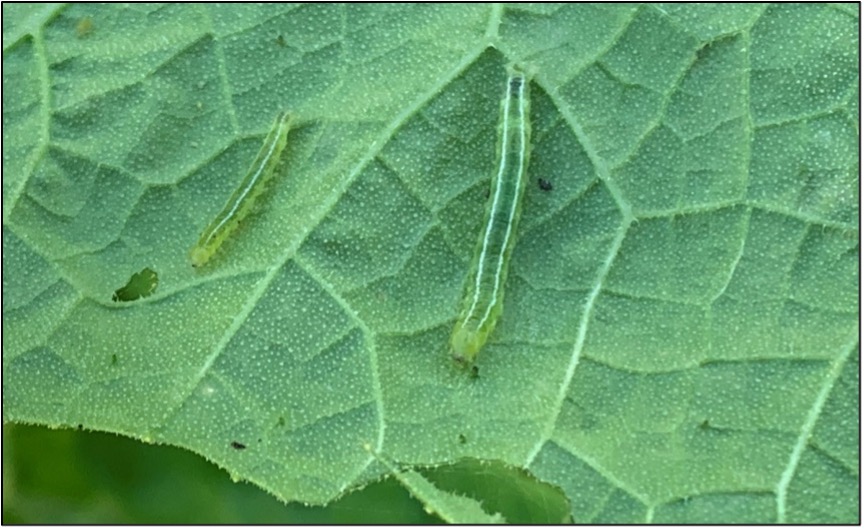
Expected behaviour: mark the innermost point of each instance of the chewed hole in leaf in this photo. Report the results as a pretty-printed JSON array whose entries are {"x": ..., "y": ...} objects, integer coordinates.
[{"x": 140, "y": 285}]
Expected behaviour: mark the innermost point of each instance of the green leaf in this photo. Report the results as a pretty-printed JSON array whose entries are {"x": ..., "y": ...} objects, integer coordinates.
[
  {"x": 679, "y": 339},
  {"x": 452, "y": 508}
]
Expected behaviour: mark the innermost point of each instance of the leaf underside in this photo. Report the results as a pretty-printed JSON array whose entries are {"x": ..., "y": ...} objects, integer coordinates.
[{"x": 679, "y": 338}]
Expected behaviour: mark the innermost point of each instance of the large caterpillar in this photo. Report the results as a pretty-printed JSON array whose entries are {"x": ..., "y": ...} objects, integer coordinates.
[
  {"x": 240, "y": 203},
  {"x": 485, "y": 286}
]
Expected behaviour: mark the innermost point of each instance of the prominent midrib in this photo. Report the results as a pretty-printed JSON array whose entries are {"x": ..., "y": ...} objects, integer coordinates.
[{"x": 499, "y": 202}]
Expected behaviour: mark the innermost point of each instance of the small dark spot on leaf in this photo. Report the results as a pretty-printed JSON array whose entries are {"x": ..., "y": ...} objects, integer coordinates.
[
  {"x": 462, "y": 439},
  {"x": 544, "y": 185},
  {"x": 113, "y": 359},
  {"x": 238, "y": 445},
  {"x": 280, "y": 40},
  {"x": 475, "y": 372},
  {"x": 281, "y": 421},
  {"x": 80, "y": 426}
]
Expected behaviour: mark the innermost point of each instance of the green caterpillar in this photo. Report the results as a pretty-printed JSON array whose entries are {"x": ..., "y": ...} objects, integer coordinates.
[
  {"x": 240, "y": 203},
  {"x": 485, "y": 287}
]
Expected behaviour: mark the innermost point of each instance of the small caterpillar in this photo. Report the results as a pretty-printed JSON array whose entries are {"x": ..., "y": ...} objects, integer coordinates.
[
  {"x": 485, "y": 287},
  {"x": 240, "y": 203}
]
